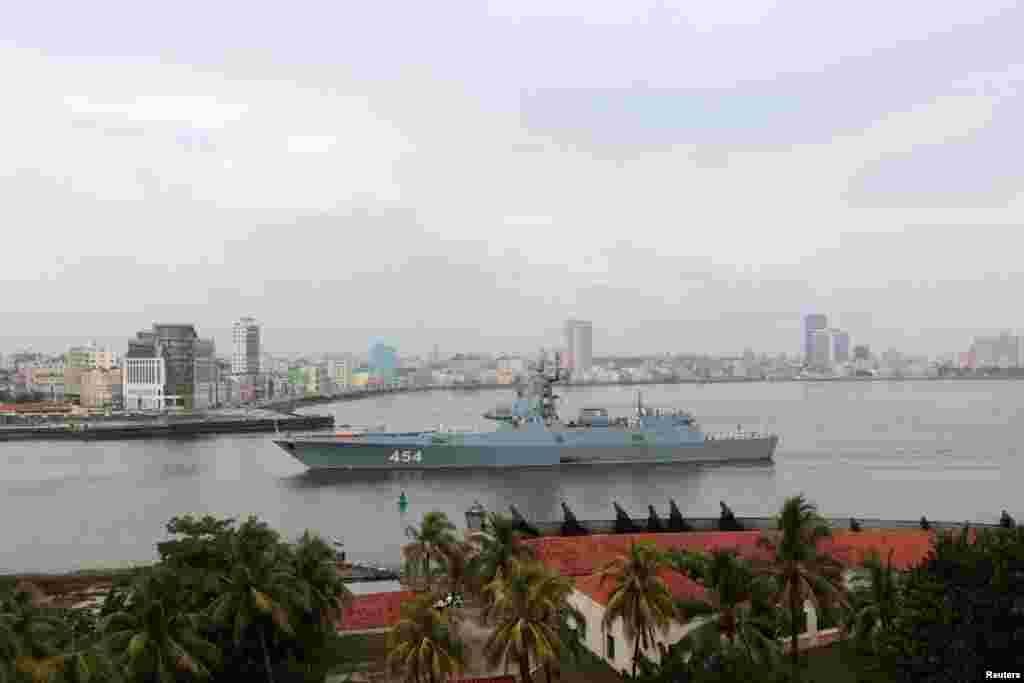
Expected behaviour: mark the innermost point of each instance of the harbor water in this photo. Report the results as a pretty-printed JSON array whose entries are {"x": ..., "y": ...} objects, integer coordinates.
[{"x": 895, "y": 450}]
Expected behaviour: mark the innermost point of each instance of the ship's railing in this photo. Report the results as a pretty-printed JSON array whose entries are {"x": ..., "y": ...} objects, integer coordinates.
[{"x": 733, "y": 436}]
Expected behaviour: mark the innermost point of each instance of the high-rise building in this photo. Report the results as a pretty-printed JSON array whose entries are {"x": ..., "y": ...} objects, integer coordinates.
[
  {"x": 840, "y": 346},
  {"x": 821, "y": 349},
  {"x": 245, "y": 340},
  {"x": 188, "y": 370},
  {"x": 579, "y": 345},
  {"x": 383, "y": 361},
  {"x": 813, "y": 323}
]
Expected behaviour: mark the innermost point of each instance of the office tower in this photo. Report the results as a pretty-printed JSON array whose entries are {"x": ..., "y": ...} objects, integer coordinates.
[
  {"x": 813, "y": 323},
  {"x": 840, "y": 346},
  {"x": 579, "y": 345},
  {"x": 383, "y": 360},
  {"x": 245, "y": 340},
  {"x": 187, "y": 371}
]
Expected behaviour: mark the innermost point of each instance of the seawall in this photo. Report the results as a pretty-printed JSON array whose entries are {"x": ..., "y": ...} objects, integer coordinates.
[{"x": 84, "y": 430}]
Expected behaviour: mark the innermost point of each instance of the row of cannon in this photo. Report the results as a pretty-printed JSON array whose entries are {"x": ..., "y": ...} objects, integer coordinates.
[{"x": 727, "y": 521}]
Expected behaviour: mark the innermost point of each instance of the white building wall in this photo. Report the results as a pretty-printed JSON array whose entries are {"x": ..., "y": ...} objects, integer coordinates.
[
  {"x": 143, "y": 382},
  {"x": 597, "y": 637}
]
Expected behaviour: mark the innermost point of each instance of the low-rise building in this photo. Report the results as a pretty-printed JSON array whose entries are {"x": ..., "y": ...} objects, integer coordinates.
[
  {"x": 102, "y": 389},
  {"x": 48, "y": 381},
  {"x": 582, "y": 557}
]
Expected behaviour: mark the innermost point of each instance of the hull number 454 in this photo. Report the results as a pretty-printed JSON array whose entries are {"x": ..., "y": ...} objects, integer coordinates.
[{"x": 406, "y": 456}]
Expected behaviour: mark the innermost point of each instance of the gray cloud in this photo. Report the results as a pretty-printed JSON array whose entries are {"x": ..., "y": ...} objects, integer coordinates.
[{"x": 474, "y": 175}]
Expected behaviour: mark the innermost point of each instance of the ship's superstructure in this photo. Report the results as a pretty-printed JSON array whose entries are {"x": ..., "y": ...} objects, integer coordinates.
[{"x": 531, "y": 434}]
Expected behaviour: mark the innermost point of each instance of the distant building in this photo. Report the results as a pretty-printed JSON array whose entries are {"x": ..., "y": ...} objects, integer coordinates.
[
  {"x": 80, "y": 360},
  {"x": 90, "y": 357},
  {"x": 813, "y": 323},
  {"x": 1003, "y": 351},
  {"x": 822, "y": 348},
  {"x": 48, "y": 381},
  {"x": 360, "y": 378},
  {"x": 579, "y": 345},
  {"x": 189, "y": 369},
  {"x": 383, "y": 361},
  {"x": 204, "y": 374},
  {"x": 245, "y": 344},
  {"x": 504, "y": 376},
  {"x": 840, "y": 346},
  {"x": 515, "y": 365},
  {"x": 144, "y": 383},
  {"x": 102, "y": 389},
  {"x": 340, "y": 372}
]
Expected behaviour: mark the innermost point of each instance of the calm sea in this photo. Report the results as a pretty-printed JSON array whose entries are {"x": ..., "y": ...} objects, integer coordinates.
[{"x": 894, "y": 450}]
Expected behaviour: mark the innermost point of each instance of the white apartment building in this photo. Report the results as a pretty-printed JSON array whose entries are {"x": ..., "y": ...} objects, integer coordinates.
[
  {"x": 144, "y": 380},
  {"x": 245, "y": 346}
]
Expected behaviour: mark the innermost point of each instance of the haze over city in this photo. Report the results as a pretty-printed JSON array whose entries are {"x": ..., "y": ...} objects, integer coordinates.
[{"x": 689, "y": 178}]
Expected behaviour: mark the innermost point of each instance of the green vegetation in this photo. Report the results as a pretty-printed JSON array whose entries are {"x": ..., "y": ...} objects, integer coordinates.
[
  {"x": 640, "y": 598},
  {"x": 423, "y": 647},
  {"x": 231, "y": 601},
  {"x": 736, "y": 619},
  {"x": 224, "y": 601},
  {"x": 961, "y": 612},
  {"x": 801, "y": 573},
  {"x": 527, "y": 608}
]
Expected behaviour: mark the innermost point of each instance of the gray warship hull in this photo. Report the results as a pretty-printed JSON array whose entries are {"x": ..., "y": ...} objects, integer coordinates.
[
  {"x": 425, "y": 454},
  {"x": 532, "y": 435}
]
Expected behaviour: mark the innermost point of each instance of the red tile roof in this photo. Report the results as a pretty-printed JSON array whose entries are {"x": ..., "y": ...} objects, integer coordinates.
[
  {"x": 583, "y": 555},
  {"x": 681, "y": 587},
  {"x": 910, "y": 546},
  {"x": 373, "y": 611}
]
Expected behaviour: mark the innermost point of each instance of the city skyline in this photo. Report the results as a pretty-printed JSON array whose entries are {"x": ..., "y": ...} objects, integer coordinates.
[
  {"x": 317, "y": 341},
  {"x": 859, "y": 165}
]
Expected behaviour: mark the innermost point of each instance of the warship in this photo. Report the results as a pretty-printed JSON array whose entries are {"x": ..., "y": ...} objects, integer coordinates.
[{"x": 531, "y": 434}]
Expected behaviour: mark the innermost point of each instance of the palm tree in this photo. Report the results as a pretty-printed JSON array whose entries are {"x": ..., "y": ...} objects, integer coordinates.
[
  {"x": 320, "y": 585},
  {"x": 259, "y": 590},
  {"x": 29, "y": 636},
  {"x": 151, "y": 639},
  {"x": 423, "y": 645},
  {"x": 640, "y": 598},
  {"x": 732, "y": 590},
  {"x": 527, "y": 607},
  {"x": 430, "y": 541},
  {"x": 875, "y": 602},
  {"x": 458, "y": 566},
  {"x": 801, "y": 573},
  {"x": 572, "y": 638},
  {"x": 499, "y": 543}
]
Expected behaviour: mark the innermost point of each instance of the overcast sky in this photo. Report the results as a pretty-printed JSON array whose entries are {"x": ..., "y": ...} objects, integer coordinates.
[{"x": 692, "y": 176}]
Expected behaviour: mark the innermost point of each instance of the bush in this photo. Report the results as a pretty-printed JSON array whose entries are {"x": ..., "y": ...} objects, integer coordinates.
[{"x": 961, "y": 611}]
